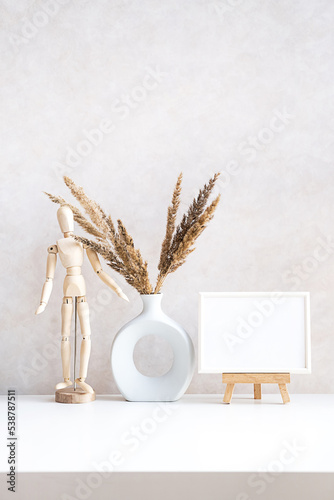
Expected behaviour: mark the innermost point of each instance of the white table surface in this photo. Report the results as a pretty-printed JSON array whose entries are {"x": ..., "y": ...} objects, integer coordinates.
[{"x": 197, "y": 433}]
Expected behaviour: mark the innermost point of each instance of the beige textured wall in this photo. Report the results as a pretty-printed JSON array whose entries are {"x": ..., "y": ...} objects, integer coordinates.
[{"x": 244, "y": 87}]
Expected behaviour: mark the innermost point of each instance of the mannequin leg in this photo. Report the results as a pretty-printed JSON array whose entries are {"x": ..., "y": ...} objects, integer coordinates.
[
  {"x": 83, "y": 313},
  {"x": 66, "y": 317}
]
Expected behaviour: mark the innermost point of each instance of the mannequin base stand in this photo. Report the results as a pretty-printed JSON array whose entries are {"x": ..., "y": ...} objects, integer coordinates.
[{"x": 71, "y": 396}]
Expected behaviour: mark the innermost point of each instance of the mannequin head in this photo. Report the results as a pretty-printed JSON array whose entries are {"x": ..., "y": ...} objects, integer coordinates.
[{"x": 65, "y": 219}]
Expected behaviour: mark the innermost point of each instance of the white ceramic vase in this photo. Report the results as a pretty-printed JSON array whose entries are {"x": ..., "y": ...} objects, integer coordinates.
[{"x": 132, "y": 384}]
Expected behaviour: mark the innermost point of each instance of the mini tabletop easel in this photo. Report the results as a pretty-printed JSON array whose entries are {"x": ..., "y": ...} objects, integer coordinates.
[
  {"x": 257, "y": 379},
  {"x": 72, "y": 395}
]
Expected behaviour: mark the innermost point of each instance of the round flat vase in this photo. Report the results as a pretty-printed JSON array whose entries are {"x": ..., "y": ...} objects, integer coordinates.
[{"x": 132, "y": 384}]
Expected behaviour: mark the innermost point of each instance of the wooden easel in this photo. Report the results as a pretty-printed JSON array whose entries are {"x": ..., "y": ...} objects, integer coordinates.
[{"x": 257, "y": 379}]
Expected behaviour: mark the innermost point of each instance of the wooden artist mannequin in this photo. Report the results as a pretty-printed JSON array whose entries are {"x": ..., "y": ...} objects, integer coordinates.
[{"x": 71, "y": 253}]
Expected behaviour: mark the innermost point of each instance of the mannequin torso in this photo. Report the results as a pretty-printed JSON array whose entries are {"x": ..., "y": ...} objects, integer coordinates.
[{"x": 71, "y": 255}]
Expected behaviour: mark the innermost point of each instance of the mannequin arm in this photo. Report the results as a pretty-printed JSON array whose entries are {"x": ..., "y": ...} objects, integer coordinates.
[
  {"x": 96, "y": 265},
  {"x": 50, "y": 273}
]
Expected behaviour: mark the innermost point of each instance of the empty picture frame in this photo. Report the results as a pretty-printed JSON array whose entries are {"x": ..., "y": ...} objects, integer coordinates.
[{"x": 254, "y": 332}]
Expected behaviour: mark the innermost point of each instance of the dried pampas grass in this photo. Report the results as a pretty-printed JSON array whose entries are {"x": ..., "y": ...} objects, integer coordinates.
[
  {"x": 179, "y": 242},
  {"x": 116, "y": 245}
]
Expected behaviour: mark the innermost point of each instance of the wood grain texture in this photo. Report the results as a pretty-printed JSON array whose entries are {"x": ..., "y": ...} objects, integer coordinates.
[
  {"x": 228, "y": 393},
  {"x": 284, "y": 393},
  {"x": 257, "y": 391},
  {"x": 256, "y": 378},
  {"x": 71, "y": 396}
]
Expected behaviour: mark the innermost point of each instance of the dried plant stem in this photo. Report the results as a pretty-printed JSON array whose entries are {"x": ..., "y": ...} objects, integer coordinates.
[
  {"x": 116, "y": 245},
  {"x": 192, "y": 224},
  {"x": 78, "y": 216},
  {"x": 95, "y": 212},
  {"x": 170, "y": 227}
]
